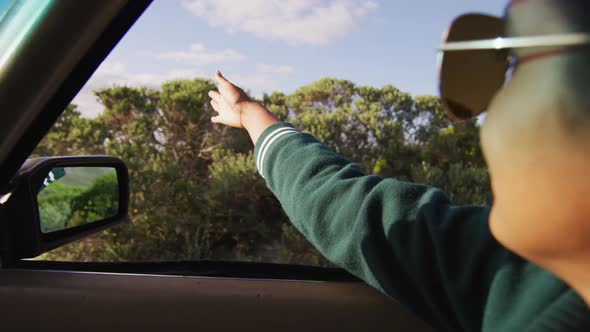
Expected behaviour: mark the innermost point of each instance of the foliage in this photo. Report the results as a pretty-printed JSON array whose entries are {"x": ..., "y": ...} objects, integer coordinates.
[
  {"x": 195, "y": 193},
  {"x": 63, "y": 205},
  {"x": 98, "y": 202},
  {"x": 55, "y": 205}
]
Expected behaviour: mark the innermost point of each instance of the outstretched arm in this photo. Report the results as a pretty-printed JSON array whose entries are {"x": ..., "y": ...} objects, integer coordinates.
[{"x": 404, "y": 239}]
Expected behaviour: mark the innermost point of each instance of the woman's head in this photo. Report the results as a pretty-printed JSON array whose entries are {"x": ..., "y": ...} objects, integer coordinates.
[{"x": 536, "y": 138}]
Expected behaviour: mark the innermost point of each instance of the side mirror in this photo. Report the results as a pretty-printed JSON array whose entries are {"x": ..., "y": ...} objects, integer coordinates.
[{"x": 58, "y": 200}]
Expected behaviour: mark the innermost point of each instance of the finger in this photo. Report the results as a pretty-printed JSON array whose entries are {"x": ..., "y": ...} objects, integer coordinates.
[
  {"x": 220, "y": 79},
  {"x": 215, "y": 119},
  {"x": 214, "y": 95},
  {"x": 215, "y": 105}
]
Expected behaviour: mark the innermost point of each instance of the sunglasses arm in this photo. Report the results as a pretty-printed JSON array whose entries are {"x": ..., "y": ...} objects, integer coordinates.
[{"x": 500, "y": 43}]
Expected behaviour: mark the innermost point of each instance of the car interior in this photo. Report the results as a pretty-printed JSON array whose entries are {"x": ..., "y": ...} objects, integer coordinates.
[{"x": 65, "y": 43}]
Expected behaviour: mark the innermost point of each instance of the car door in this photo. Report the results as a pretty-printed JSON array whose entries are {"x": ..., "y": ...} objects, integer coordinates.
[{"x": 42, "y": 69}]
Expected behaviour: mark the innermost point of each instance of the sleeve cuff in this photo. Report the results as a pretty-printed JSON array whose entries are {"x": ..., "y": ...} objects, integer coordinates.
[{"x": 267, "y": 139}]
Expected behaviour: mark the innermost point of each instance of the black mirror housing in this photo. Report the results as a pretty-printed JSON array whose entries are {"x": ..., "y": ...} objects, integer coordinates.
[{"x": 22, "y": 235}]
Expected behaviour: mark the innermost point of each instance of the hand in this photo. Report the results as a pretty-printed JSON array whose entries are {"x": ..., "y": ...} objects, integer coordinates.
[
  {"x": 230, "y": 102},
  {"x": 236, "y": 109}
]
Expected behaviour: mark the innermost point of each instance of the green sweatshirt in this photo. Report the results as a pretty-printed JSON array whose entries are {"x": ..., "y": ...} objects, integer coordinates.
[{"x": 408, "y": 241}]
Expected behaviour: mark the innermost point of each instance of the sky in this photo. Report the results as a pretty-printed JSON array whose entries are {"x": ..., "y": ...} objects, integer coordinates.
[{"x": 269, "y": 45}]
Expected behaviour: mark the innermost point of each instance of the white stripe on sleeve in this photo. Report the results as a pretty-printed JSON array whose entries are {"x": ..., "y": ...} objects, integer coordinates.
[
  {"x": 265, "y": 143},
  {"x": 266, "y": 148}
]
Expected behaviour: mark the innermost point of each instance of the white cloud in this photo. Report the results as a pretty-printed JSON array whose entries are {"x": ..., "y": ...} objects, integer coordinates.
[
  {"x": 296, "y": 22},
  {"x": 264, "y": 78},
  {"x": 199, "y": 54},
  {"x": 116, "y": 73},
  {"x": 275, "y": 69}
]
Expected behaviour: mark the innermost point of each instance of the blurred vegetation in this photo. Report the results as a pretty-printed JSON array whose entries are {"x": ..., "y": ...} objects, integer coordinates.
[
  {"x": 98, "y": 202},
  {"x": 55, "y": 207},
  {"x": 65, "y": 203},
  {"x": 195, "y": 192}
]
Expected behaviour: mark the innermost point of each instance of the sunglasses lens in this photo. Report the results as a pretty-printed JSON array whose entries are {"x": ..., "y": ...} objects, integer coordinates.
[{"x": 469, "y": 79}]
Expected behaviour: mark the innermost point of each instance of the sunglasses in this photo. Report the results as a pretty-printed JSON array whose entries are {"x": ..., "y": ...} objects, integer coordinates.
[{"x": 475, "y": 60}]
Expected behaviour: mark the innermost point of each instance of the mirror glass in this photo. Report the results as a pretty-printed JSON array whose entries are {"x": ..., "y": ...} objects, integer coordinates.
[{"x": 74, "y": 196}]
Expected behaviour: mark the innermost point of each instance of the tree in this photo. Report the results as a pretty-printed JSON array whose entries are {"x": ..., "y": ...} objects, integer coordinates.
[
  {"x": 98, "y": 202},
  {"x": 194, "y": 189}
]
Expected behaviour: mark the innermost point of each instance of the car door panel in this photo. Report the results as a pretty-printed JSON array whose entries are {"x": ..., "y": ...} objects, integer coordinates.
[{"x": 74, "y": 301}]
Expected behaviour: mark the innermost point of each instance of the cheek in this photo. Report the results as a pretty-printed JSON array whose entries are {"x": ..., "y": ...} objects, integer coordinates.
[
  {"x": 536, "y": 183},
  {"x": 498, "y": 145},
  {"x": 512, "y": 221}
]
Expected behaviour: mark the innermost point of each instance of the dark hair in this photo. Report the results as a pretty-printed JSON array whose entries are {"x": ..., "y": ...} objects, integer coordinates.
[
  {"x": 577, "y": 70},
  {"x": 577, "y": 12},
  {"x": 573, "y": 96}
]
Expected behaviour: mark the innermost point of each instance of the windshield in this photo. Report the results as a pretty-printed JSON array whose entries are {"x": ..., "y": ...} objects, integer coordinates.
[{"x": 363, "y": 82}]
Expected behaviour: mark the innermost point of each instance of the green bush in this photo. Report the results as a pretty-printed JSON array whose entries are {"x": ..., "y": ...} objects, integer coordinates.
[
  {"x": 195, "y": 193},
  {"x": 55, "y": 205}
]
